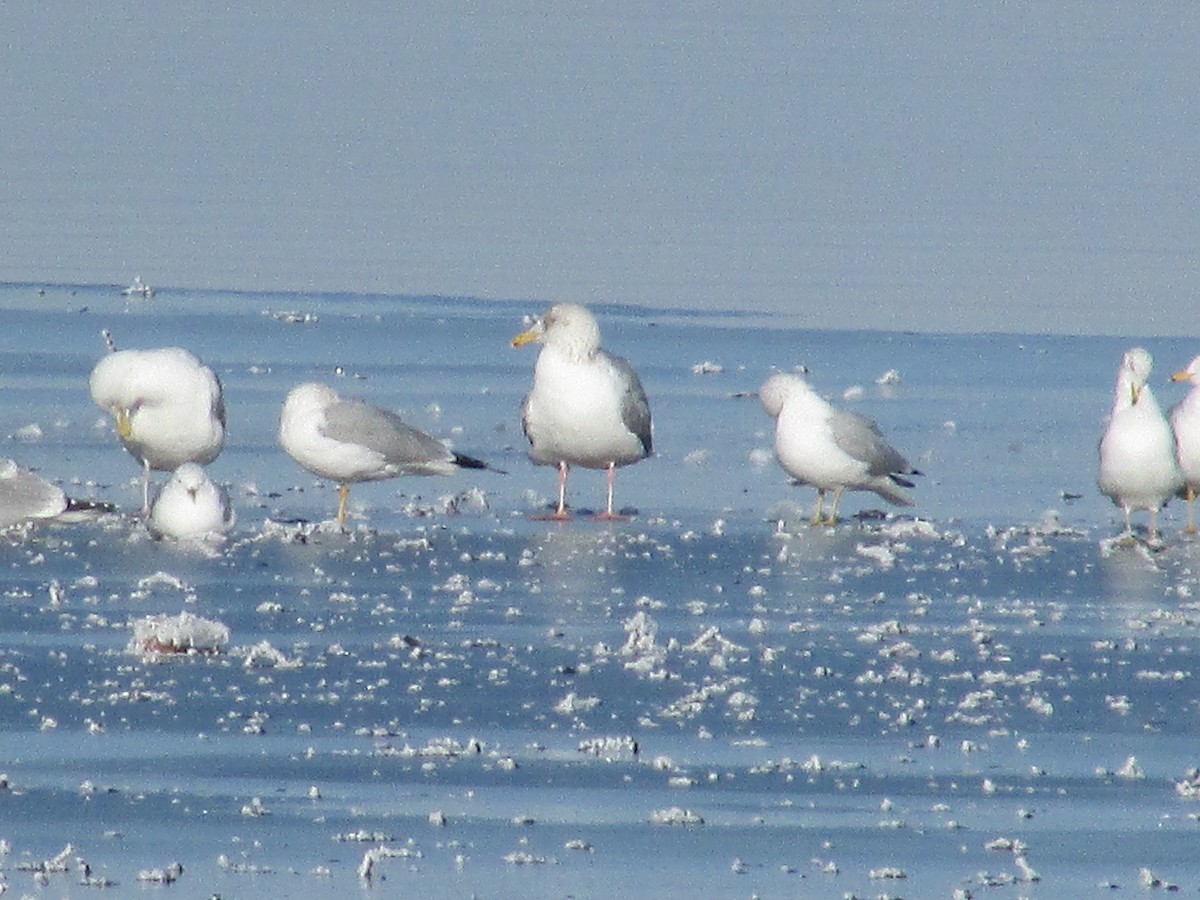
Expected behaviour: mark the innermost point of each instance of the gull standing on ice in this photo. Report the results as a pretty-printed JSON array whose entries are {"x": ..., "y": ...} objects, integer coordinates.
[
  {"x": 831, "y": 449},
  {"x": 167, "y": 405},
  {"x": 1138, "y": 469},
  {"x": 349, "y": 440},
  {"x": 139, "y": 288},
  {"x": 586, "y": 407},
  {"x": 27, "y": 497},
  {"x": 190, "y": 505},
  {"x": 1185, "y": 422}
]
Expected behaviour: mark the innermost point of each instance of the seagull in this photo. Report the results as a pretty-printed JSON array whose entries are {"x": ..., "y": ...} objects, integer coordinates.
[
  {"x": 1185, "y": 423},
  {"x": 190, "y": 505},
  {"x": 167, "y": 405},
  {"x": 1138, "y": 469},
  {"x": 139, "y": 288},
  {"x": 831, "y": 449},
  {"x": 27, "y": 497},
  {"x": 349, "y": 440},
  {"x": 586, "y": 407}
]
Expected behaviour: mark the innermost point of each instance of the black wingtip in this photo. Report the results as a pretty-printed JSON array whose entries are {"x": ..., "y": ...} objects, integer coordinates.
[
  {"x": 83, "y": 511},
  {"x": 89, "y": 506},
  {"x": 470, "y": 462}
]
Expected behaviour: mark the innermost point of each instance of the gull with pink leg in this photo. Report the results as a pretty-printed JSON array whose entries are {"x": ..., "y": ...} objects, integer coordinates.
[{"x": 586, "y": 407}]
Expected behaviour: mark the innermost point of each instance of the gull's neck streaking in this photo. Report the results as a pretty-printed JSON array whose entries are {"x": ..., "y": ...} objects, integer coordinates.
[{"x": 572, "y": 331}]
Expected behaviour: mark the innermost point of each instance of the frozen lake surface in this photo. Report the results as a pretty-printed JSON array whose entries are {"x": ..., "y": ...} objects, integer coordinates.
[{"x": 984, "y": 695}]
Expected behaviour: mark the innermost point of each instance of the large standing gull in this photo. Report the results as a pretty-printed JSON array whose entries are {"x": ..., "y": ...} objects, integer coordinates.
[
  {"x": 190, "y": 505},
  {"x": 27, "y": 497},
  {"x": 831, "y": 449},
  {"x": 349, "y": 440},
  {"x": 1185, "y": 422},
  {"x": 586, "y": 407},
  {"x": 167, "y": 405},
  {"x": 1138, "y": 469}
]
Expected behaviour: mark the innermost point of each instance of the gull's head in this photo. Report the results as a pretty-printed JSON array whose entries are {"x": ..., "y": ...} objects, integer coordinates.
[
  {"x": 191, "y": 477},
  {"x": 565, "y": 326},
  {"x": 775, "y": 391},
  {"x": 1135, "y": 370},
  {"x": 1190, "y": 372},
  {"x": 310, "y": 397}
]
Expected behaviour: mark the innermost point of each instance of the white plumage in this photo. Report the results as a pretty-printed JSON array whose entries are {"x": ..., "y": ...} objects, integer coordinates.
[
  {"x": 190, "y": 505},
  {"x": 586, "y": 407},
  {"x": 1138, "y": 468},
  {"x": 831, "y": 449}
]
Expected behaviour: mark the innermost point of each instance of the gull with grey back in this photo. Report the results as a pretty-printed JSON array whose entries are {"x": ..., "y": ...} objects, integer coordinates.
[
  {"x": 586, "y": 407},
  {"x": 348, "y": 440},
  {"x": 831, "y": 449}
]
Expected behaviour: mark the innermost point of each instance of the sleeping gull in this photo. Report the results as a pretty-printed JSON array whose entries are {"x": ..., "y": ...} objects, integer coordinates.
[
  {"x": 167, "y": 405},
  {"x": 1185, "y": 422},
  {"x": 831, "y": 449},
  {"x": 349, "y": 440},
  {"x": 1138, "y": 469},
  {"x": 190, "y": 505},
  {"x": 27, "y": 497},
  {"x": 586, "y": 407}
]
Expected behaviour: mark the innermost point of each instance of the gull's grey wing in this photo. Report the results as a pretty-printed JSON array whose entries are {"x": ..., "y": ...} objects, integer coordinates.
[
  {"x": 525, "y": 419},
  {"x": 25, "y": 496},
  {"x": 219, "y": 402},
  {"x": 407, "y": 448},
  {"x": 635, "y": 407},
  {"x": 860, "y": 437}
]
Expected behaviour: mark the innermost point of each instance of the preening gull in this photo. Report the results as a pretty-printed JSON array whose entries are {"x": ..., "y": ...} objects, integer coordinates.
[
  {"x": 349, "y": 440},
  {"x": 27, "y": 497},
  {"x": 831, "y": 449},
  {"x": 1185, "y": 423},
  {"x": 190, "y": 505},
  {"x": 167, "y": 406},
  {"x": 1138, "y": 469},
  {"x": 586, "y": 407}
]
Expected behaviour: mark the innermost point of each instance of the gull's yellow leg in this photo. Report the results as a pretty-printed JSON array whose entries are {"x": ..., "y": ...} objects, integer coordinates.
[
  {"x": 816, "y": 516},
  {"x": 837, "y": 498}
]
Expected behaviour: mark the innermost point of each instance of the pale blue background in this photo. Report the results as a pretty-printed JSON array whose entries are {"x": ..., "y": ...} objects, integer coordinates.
[{"x": 930, "y": 166}]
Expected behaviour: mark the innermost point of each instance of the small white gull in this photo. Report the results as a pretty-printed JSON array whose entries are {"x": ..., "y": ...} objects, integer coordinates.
[
  {"x": 1185, "y": 423},
  {"x": 167, "y": 406},
  {"x": 586, "y": 407},
  {"x": 349, "y": 440},
  {"x": 831, "y": 449},
  {"x": 190, "y": 505},
  {"x": 1138, "y": 469}
]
